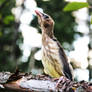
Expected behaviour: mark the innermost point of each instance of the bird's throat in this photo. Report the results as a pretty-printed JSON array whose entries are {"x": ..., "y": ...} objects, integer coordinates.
[{"x": 47, "y": 32}]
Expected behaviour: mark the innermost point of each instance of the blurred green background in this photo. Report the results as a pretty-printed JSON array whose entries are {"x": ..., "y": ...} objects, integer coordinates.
[{"x": 17, "y": 16}]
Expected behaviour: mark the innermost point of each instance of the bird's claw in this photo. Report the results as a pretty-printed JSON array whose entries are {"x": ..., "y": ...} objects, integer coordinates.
[{"x": 60, "y": 79}]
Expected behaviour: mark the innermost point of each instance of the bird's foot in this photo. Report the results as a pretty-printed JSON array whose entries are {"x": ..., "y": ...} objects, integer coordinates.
[{"x": 59, "y": 80}]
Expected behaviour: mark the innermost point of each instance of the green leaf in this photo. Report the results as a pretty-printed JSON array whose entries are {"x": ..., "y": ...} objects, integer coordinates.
[
  {"x": 1, "y": 1},
  {"x": 91, "y": 19},
  {"x": 0, "y": 34},
  {"x": 75, "y": 6},
  {"x": 8, "y": 19}
]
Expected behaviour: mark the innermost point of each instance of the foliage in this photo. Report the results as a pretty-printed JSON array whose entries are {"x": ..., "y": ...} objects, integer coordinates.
[
  {"x": 75, "y": 6},
  {"x": 64, "y": 21},
  {"x": 91, "y": 19},
  {"x": 9, "y": 50},
  {"x": 10, "y": 38}
]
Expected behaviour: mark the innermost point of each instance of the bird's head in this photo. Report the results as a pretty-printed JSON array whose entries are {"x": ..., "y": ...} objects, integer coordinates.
[{"x": 45, "y": 21}]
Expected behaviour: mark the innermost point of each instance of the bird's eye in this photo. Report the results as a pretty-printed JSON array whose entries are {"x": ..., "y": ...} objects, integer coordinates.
[{"x": 45, "y": 16}]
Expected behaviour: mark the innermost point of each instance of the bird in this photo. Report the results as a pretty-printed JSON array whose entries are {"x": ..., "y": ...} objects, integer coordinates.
[{"x": 54, "y": 59}]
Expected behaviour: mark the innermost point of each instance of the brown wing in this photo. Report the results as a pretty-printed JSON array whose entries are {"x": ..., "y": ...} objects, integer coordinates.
[{"x": 66, "y": 68}]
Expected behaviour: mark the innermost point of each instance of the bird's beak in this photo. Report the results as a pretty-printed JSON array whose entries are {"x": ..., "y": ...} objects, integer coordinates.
[{"x": 38, "y": 13}]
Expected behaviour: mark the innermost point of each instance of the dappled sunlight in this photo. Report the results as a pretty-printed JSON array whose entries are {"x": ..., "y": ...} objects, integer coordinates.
[
  {"x": 38, "y": 55},
  {"x": 31, "y": 36},
  {"x": 26, "y": 17},
  {"x": 81, "y": 51},
  {"x": 81, "y": 74},
  {"x": 21, "y": 38}
]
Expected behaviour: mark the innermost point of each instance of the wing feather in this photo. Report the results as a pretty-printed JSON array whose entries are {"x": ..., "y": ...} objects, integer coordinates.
[{"x": 66, "y": 66}]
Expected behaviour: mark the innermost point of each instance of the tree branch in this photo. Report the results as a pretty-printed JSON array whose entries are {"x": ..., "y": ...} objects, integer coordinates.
[{"x": 29, "y": 83}]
